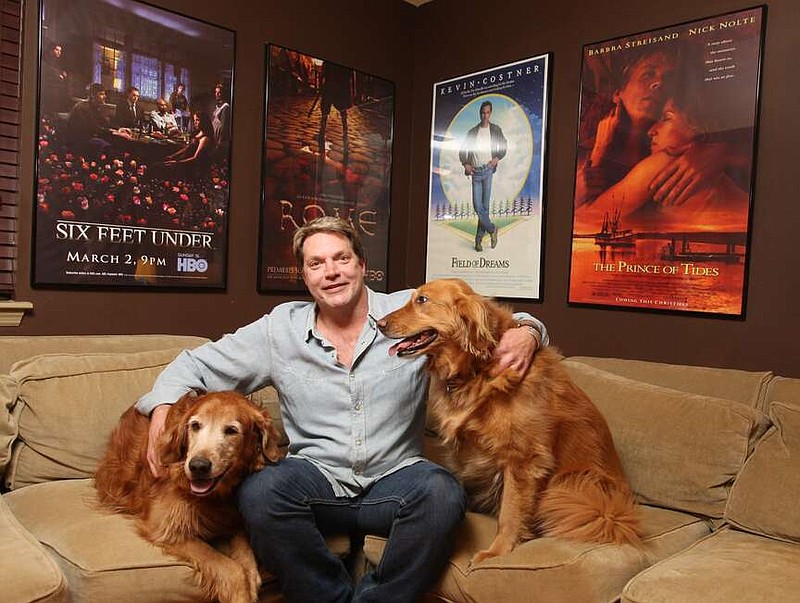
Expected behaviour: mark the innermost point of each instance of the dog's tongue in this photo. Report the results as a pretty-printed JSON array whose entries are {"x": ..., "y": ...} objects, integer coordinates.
[
  {"x": 201, "y": 486},
  {"x": 400, "y": 346}
]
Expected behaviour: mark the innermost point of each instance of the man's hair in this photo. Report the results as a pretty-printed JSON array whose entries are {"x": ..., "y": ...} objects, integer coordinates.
[
  {"x": 486, "y": 104},
  {"x": 131, "y": 89},
  {"x": 330, "y": 225},
  {"x": 95, "y": 89}
]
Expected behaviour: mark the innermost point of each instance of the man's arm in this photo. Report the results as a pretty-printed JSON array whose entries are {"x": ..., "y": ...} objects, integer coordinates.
[{"x": 240, "y": 361}]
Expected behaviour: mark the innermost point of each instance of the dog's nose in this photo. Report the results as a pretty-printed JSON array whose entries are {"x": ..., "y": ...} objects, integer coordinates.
[{"x": 200, "y": 466}]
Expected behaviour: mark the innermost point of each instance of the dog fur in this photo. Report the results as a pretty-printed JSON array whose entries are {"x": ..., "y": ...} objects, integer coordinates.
[
  {"x": 531, "y": 449},
  {"x": 210, "y": 443}
]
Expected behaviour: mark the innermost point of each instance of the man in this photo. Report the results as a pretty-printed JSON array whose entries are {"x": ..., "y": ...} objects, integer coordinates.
[
  {"x": 164, "y": 121},
  {"x": 128, "y": 113},
  {"x": 621, "y": 140},
  {"x": 354, "y": 416},
  {"x": 482, "y": 150},
  {"x": 87, "y": 121},
  {"x": 180, "y": 105},
  {"x": 55, "y": 82},
  {"x": 221, "y": 117},
  {"x": 335, "y": 91}
]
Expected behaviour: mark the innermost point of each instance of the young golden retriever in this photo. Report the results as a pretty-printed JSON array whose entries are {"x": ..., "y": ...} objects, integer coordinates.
[
  {"x": 210, "y": 443},
  {"x": 531, "y": 449}
]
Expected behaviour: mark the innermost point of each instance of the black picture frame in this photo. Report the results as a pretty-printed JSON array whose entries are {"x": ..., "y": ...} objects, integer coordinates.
[
  {"x": 131, "y": 199},
  {"x": 351, "y": 179},
  {"x": 509, "y": 264},
  {"x": 682, "y": 246}
]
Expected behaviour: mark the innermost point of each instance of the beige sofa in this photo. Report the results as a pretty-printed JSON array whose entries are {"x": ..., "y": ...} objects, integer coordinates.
[{"x": 713, "y": 455}]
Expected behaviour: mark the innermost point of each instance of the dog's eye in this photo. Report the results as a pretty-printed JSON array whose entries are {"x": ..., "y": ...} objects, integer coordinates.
[
  {"x": 422, "y": 299},
  {"x": 194, "y": 425},
  {"x": 231, "y": 430}
]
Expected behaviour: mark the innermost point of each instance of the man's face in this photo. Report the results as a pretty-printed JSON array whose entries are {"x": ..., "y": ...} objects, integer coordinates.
[
  {"x": 332, "y": 272},
  {"x": 57, "y": 51},
  {"x": 647, "y": 88},
  {"x": 162, "y": 106},
  {"x": 486, "y": 115},
  {"x": 218, "y": 93},
  {"x": 100, "y": 97},
  {"x": 133, "y": 96}
]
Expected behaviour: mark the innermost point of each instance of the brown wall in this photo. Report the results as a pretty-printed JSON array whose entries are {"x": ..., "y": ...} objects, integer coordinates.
[
  {"x": 415, "y": 48},
  {"x": 452, "y": 41}
]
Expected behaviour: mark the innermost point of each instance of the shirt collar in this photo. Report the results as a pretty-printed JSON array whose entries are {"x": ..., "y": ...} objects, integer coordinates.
[{"x": 374, "y": 313}]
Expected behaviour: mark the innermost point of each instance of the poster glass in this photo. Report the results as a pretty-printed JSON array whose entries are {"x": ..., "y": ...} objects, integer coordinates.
[
  {"x": 133, "y": 154},
  {"x": 665, "y": 167},
  {"x": 327, "y": 152},
  {"x": 485, "y": 211}
]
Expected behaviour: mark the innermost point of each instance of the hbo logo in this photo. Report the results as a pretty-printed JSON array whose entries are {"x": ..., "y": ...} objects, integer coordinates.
[{"x": 192, "y": 265}]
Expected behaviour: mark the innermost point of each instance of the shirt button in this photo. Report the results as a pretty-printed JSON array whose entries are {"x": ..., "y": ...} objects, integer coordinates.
[
  {"x": 357, "y": 470},
  {"x": 358, "y": 442},
  {"x": 358, "y": 407}
]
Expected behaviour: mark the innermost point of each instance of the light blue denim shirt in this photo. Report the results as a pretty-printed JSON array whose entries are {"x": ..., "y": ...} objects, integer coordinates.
[{"x": 355, "y": 424}]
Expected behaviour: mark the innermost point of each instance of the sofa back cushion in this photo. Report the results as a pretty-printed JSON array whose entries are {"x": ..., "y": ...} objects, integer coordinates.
[
  {"x": 14, "y": 348},
  {"x": 8, "y": 425},
  {"x": 765, "y": 498},
  {"x": 679, "y": 450},
  {"x": 67, "y": 405},
  {"x": 748, "y": 387}
]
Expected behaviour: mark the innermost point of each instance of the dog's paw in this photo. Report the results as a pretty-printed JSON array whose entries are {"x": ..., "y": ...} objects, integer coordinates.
[{"x": 481, "y": 556}]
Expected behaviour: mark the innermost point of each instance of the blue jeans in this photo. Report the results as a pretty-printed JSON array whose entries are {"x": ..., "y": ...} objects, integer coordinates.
[
  {"x": 481, "y": 197},
  {"x": 289, "y": 507}
]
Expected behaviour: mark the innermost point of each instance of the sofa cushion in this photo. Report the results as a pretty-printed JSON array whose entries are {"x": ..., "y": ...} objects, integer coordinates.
[
  {"x": 552, "y": 569},
  {"x": 27, "y": 572},
  {"x": 100, "y": 552},
  {"x": 783, "y": 389},
  {"x": 728, "y": 566},
  {"x": 747, "y": 387},
  {"x": 14, "y": 348},
  {"x": 679, "y": 450},
  {"x": 764, "y": 498},
  {"x": 8, "y": 425},
  {"x": 67, "y": 407}
]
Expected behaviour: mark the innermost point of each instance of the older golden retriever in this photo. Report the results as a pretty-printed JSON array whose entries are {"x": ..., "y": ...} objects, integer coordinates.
[
  {"x": 531, "y": 449},
  {"x": 210, "y": 443}
]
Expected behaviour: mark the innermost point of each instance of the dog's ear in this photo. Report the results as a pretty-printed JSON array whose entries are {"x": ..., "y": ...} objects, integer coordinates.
[
  {"x": 266, "y": 440},
  {"x": 476, "y": 337},
  {"x": 173, "y": 442}
]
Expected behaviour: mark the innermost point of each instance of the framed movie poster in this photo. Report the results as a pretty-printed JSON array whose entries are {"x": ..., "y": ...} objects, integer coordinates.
[
  {"x": 133, "y": 155},
  {"x": 485, "y": 212},
  {"x": 665, "y": 167},
  {"x": 327, "y": 152}
]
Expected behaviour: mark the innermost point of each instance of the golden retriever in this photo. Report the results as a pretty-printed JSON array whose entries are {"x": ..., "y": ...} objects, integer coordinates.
[
  {"x": 531, "y": 449},
  {"x": 210, "y": 443}
]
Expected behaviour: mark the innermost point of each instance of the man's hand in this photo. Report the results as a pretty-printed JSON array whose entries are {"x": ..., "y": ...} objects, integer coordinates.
[
  {"x": 493, "y": 162},
  {"x": 515, "y": 350},
  {"x": 698, "y": 165},
  {"x": 606, "y": 130},
  {"x": 158, "y": 419},
  {"x": 468, "y": 169}
]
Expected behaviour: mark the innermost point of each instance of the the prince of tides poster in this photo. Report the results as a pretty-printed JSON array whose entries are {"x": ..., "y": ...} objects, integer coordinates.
[
  {"x": 665, "y": 167},
  {"x": 327, "y": 152}
]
